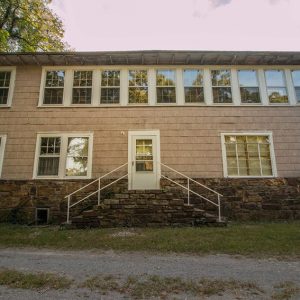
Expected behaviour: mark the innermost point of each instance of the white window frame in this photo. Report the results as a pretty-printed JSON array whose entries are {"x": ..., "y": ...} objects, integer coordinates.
[
  {"x": 83, "y": 87},
  {"x": 258, "y": 86},
  {"x": 284, "y": 77},
  {"x": 63, "y": 154},
  {"x": 195, "y": 86},
  {"x": 222, "y": 68},
  {"x": 272, "y": 153},
  {"x": 294, "y": 86},
  {"x": 11, "y": 84},
  {"x": 99, "y": 77},
  {"x": 2, "y": 150},
  {"x": 179, "y": 84},
  {"x": 128, "y": 86}
]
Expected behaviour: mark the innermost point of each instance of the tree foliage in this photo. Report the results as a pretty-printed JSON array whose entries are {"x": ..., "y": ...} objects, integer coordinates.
[{"x": 30, "y": 25}]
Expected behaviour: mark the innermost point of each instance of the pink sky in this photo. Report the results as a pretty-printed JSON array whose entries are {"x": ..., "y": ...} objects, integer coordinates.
[{"x": 96, "y": 25}]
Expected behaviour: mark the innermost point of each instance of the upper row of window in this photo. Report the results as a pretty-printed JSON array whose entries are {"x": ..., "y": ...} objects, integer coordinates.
[
  {"x": 166, "y": 86},
  {"x": 193, "y": 85}
]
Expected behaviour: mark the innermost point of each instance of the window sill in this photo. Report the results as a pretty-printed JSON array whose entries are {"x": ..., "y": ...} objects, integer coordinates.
[
  {"x": 62, "y": 178},
  {"x": 249, "y": 177}
]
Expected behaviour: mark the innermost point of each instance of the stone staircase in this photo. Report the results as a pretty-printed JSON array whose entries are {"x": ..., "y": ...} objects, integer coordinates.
[{"x": 150, "y": 208}]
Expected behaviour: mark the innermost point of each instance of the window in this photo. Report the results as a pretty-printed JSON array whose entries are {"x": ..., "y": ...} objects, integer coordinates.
[
  {"x": 54, "y": 87},
  {"x": 63, "y": 156},
  {"x": 276, "y": 88},
  {"x": 248, "y": 155},
  {"x": 296, "y": 81},
  {"x": 193, "y": 86},
  {"x": 2, "y": 147},
  {"x": 221, "y": 86},
  {"x": 138, "y": 86},
  {"x": 110, "y": 87},
  {"x": 7, "y": 78},
  {"x": 49, "y": 156},
  {"x": 82, "y": 87},
  {"x": 248, "y": 86},
  {"x": 165, "y": 86}
]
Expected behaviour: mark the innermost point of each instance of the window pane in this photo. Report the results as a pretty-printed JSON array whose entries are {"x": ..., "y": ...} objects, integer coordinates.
[
  {"x": 194, "y": 94},
  {"x": 296, "y": 81},
  {"x": 5, "y": 79},
  {"x": 220, "y": 77},
  {"x": 138, "y": 78},
  {"x": 55, "y": 78},
  {"x": 48, "y": 166},
  {"x": 110, "y": 95},
  {"x": 3, "y": 95},
  {"x": 53, "y": 96},
  {"x": 250, "y": 95},
  {"x": 296, "y": 77},
  {"x": 247, "y": 78},
  {"x": 166, "y": 95},
  {"x": 192, "y": 78},
  {"x": 274, "y": 78},
  {"x": 278, "y": 95},
  {"x": 110, "y": 78},
  {"x": 83, "y": 78},
  {"x": 138, "y": 95},
  {"x": 50, "y": 145},
  {"x": 165, "y": 78},
  {"x": 77, "y": 156},
  {"x": 222, "y": 95},
  {"x": 82, "y": 96},
  {"x": 297, "y": 91},
  {"x": 248, "y": 155}
]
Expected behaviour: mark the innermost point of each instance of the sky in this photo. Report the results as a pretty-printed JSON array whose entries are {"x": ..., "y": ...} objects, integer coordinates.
[{"x": 99, "y": 25}]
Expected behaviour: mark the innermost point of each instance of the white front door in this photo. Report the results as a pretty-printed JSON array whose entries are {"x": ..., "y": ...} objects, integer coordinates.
[{"x": 143, "y": 160}]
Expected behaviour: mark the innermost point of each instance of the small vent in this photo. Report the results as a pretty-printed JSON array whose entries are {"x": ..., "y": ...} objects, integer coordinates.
[{"x": 41, "y": 216}]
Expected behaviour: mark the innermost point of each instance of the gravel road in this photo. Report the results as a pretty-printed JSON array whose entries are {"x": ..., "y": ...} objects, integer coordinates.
[{"x": 82, "y": 264}]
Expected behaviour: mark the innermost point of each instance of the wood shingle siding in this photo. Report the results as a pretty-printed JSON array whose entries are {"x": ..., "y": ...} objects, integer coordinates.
[{"x": 190, "y": 136}]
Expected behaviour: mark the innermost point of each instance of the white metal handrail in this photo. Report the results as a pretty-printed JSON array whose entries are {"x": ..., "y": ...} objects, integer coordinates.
[
  {"x": 193, "y": 192},
  {"x": 95, "y": 192}
]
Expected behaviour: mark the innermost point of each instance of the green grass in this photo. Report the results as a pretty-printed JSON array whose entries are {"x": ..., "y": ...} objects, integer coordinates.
[
  {"x": 33, "y": 281},
  {"x": 254, "y": 239},
  {"x": 149, "y": 287},
  {"x": 286, "y": 290}
]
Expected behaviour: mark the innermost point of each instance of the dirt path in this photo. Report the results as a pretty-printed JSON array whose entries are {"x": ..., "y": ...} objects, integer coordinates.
[{"x": 83, "y": 264}]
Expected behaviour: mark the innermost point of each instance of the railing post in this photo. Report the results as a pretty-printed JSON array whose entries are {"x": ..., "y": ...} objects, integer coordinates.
[
  {"x": 99, "y": 187},
  {"x": 68, "y": 211},
  {"x": 188, "y": 183},
  {"x": 219, "y": 207}
]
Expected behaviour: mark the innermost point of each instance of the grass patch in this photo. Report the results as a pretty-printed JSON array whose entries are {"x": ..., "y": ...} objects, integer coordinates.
[
  {"x": 286, "y": 290},
  {"x": 256, "y": 239},
  {"x": 164, "y": 287},
  {"x": 33, "y": 281}
]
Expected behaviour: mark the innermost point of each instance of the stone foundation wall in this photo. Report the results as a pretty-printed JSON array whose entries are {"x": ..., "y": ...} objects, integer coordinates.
[{"x": 243, "y": 199}]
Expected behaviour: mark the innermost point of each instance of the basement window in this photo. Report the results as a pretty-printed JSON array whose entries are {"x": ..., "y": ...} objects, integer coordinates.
[{"x": 42, "y": 216}]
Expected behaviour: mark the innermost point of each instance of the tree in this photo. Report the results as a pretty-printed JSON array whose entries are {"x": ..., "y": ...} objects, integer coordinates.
[{"x": 30, "y": 25}]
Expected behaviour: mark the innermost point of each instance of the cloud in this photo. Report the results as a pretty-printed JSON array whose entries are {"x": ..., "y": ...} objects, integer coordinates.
[
  {"x": 277, "y": 1},
  {"x": 217, "y": 3}
]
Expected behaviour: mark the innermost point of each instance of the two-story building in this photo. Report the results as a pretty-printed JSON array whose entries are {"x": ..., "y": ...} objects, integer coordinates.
[{"x": 228, "y": 120}]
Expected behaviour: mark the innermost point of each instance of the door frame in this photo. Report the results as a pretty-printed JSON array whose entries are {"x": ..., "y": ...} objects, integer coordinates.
[{"x": 131, "y": 134}]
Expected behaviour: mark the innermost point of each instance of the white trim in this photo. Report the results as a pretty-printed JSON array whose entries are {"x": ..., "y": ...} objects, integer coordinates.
[
  {"x": 63, "y": 154},
  {"x": 2, "y": 150},
  {"x": 179, "y": 85},
  {"x": 131, "y": 134},
  {"x": 284, "y": 86},
  {"x": 11, "y": 84},
  {"x": 260, "y": 133}
]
